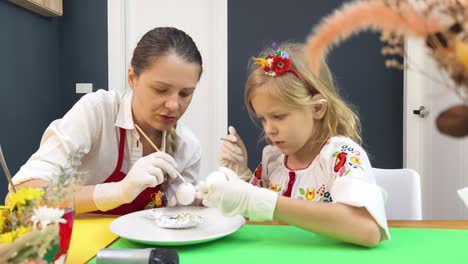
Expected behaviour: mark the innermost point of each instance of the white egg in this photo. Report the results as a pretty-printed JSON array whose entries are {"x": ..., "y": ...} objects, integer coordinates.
[
  {"x": 215, "y": 177},
  {"x": 185, "y": 193}
]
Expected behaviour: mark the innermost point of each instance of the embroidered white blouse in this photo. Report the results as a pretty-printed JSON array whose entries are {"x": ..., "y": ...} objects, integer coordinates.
[
  {"x": 92, "y": 125},
  {"x": 341, "y": 173}
]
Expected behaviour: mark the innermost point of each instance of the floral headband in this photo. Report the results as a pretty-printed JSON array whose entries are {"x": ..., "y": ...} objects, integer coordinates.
[{"x": 278, "y": 63}]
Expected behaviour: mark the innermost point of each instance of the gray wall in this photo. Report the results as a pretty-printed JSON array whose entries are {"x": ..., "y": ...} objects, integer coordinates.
[
  {"x": 356, "y": 64},
  {"x": 83, "y": 53},
  {"x": 42, "y": 59},
  {"x": 29, "y": 91}
]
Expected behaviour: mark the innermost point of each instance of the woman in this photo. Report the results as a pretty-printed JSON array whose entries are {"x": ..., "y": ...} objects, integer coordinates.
[{"x": 123, "y": 171}]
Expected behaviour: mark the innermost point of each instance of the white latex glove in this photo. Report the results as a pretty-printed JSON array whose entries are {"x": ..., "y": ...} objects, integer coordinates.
[
  {"x": 223, "y": 174},
  {"x": 146, "y": 172},
  {"x": 233, "y": 154},
  {"x": 235, "y": 196}
]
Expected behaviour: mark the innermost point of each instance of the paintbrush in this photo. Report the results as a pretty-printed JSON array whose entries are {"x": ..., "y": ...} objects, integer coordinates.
[
  {"x": 154, "y": 146},
  {"x": 5, "y": 169},
  {"x": 235, "y": 163}
]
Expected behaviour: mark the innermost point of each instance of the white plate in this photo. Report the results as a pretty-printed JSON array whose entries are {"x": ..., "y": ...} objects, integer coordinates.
[{"x": 139, "y": 228}]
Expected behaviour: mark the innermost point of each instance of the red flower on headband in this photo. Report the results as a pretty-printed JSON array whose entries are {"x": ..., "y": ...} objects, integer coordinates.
[{"x": 281, "y": 65}]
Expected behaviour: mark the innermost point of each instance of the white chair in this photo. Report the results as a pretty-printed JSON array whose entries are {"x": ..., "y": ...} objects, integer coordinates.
[{"x": 403, "y": 187}]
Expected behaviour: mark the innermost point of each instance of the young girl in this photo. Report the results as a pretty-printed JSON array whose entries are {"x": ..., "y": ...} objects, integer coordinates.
[
  {"x": 123, "y": 171},
  {"x": 314, "y": 174}
]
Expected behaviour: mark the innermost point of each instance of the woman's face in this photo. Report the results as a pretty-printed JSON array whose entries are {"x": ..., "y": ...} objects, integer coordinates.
[{"x": 163, "y": 91}]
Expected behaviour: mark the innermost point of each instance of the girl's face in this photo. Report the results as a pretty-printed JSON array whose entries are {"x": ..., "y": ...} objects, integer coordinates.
[
  {"x": 163, "y": 91},
  {"x": 289, "y": 128}
]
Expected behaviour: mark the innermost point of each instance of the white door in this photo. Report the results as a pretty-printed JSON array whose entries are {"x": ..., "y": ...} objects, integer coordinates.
[
  {"x": 206, "y": 22},
  {"x": 439, "y": 159}
]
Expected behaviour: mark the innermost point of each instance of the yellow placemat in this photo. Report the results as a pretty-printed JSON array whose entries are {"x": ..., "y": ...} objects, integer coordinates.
[{"x": 91, "y": 233}]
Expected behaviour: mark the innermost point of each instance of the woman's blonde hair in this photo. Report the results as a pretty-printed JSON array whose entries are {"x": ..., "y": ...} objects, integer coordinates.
[
  {"x": 339, "y": 119},
  {"x": 171, "y": 142}
]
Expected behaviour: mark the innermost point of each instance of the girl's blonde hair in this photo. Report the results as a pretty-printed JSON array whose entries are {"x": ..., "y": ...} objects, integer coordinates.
[{"x": 339, "y": 119}]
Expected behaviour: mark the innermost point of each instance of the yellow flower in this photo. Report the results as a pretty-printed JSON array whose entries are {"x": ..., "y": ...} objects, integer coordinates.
[
  {"x": 23, "y": 230},
  {"x": 262, "y": 62},
  {"x": 7, "y": 238},
  {"x": 4, "y": 217},
  {"x": 11, "y": 236},
  {"x": 2, "y": 223},
  {"x": 24, "y": 197}
]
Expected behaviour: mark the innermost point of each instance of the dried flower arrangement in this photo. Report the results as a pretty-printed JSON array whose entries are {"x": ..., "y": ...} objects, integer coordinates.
[
  {"x": 442, "y": 24},
  {"x": 36, "y": 223}
]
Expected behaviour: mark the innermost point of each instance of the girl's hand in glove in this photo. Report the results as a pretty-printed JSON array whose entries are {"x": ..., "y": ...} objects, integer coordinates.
[
  {"x": 233, "y": 154},
  {"x": 234, "y": 196}
]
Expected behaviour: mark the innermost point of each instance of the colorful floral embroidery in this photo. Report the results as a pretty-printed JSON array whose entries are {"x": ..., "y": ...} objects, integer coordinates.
[
  {"x": 159, "y": 199},
  {"x": 346, "y": 159},
  {"x": 321, "y": 190},
  {"x": 275, "y": 188},
  {"x": 355, "y": 160},
  {"x": 257, "y": 180},
  {"x": 307, "y": 194},
  {"x": 340, "y": 160},
  {"x": 327, "y": 197},
  {"x": 319, "y": 195},
  {"x": 310, "y": 194},
  {"x": 341, "y": 171}
]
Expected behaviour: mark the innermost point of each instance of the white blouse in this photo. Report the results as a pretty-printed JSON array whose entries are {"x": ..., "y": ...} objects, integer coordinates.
[
  {"x": 341, "y": 173},
  {"x": 92, "y": 125}
]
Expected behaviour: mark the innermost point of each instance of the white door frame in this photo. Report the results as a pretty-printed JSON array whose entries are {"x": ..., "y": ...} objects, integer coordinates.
[
  {"x": 412, "y": 99},
  {"x": 117, "y": 50},
  {"x": 413, "y": 126}
]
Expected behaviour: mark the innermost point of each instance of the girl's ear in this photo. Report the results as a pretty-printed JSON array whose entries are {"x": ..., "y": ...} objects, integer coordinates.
[
  {"x": 131, "y": 77},
  {"x": 320, "y": 107}
]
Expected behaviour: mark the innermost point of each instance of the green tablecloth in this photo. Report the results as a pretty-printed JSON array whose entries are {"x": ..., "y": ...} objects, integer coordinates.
[{"x": 289, "y": 244}]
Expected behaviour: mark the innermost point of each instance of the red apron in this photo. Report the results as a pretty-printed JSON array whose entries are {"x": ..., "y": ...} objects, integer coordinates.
[{"x": 143, "y": 199}]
